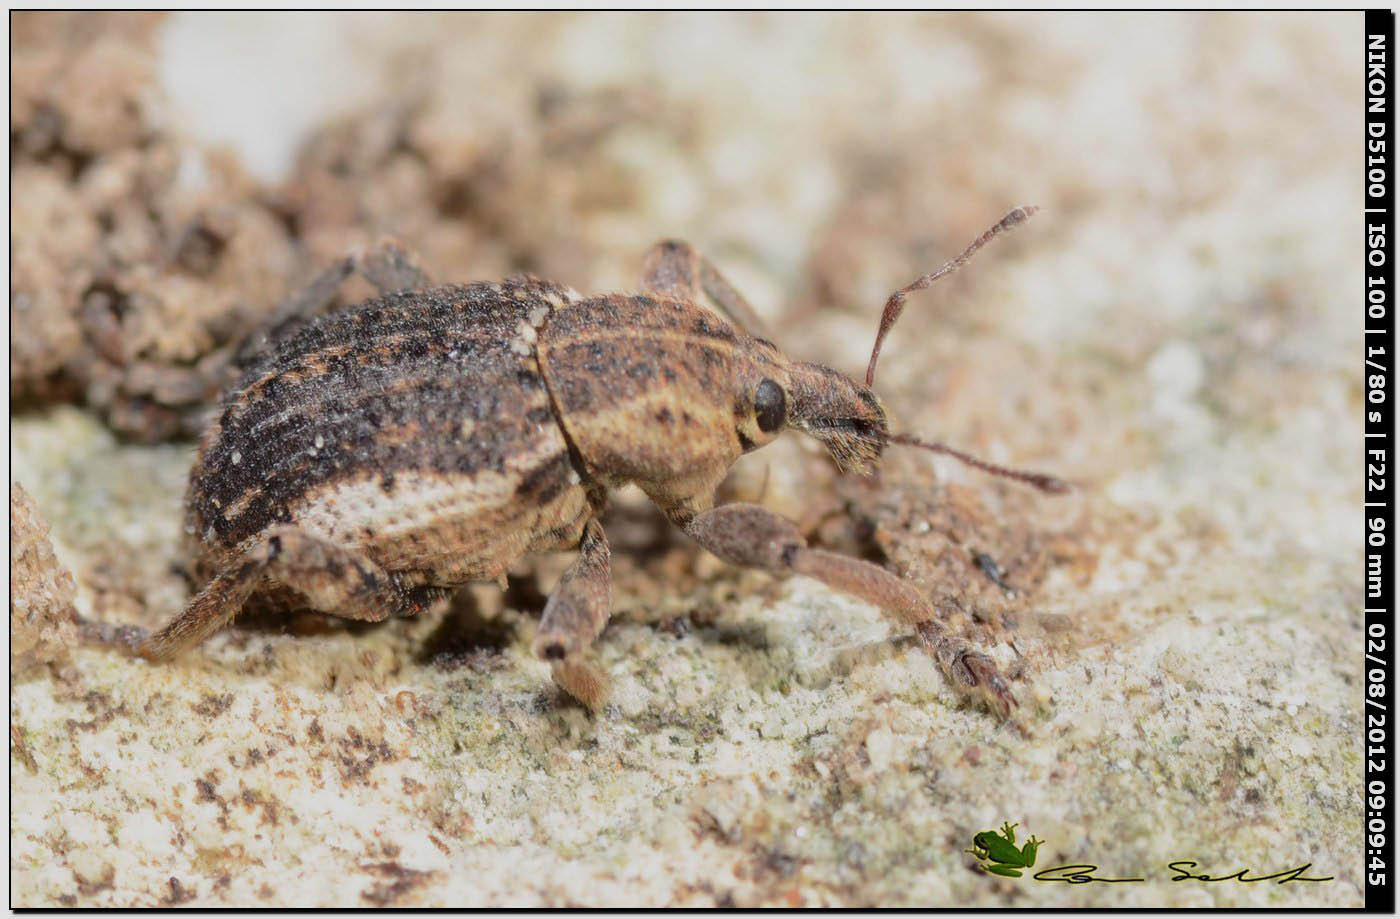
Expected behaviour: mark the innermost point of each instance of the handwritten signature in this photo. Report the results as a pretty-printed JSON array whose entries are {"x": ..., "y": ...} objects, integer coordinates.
[{"x": 1084, "y": 874}]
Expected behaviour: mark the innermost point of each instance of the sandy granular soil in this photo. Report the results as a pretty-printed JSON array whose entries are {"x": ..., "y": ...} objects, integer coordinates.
[{"x": 1175, "y": 333}]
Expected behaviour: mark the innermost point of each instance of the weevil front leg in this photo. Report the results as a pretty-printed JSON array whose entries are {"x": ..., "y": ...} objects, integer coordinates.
[
  {"x": 752, "y": 536},
  {"x": 331, "y": 579},
  {"x": 575, "y": 615},
  {"x": 675, "y": 268}
]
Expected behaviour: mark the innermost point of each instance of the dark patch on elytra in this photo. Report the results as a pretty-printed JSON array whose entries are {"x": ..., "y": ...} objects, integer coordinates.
[{"x": 545, "y": 482}]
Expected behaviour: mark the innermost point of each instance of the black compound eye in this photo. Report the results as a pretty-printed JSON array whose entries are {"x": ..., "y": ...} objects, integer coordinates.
[{"x": 769, "y": 406}]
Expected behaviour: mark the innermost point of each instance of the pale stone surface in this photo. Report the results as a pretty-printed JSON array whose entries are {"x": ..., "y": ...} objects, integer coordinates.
[{"x": 1177, "y": 333}]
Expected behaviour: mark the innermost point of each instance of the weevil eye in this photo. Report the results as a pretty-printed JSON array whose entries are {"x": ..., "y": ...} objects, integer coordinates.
[{"x": 769, "y": 406}]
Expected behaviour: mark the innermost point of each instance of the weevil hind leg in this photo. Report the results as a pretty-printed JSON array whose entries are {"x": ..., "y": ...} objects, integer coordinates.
[
  {"x": 330, "y": 579},
  {"x": 387, "y": 264},
  {"x": 574, "y": 616},
  {"x": 675, "y": 268},
  {"x": 391, "y": 266},
  {"x": 752, "y": 536}
]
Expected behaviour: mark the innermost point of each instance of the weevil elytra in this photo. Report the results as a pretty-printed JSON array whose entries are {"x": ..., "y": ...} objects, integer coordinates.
[{"x": 385, "y": 453}]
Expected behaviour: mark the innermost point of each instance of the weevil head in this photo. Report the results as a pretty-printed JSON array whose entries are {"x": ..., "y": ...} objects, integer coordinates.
[{"x": 771, "y": 393}]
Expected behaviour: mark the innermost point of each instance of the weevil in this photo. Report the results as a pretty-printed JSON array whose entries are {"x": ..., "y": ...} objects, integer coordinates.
[{"x": 380, "y": 455}]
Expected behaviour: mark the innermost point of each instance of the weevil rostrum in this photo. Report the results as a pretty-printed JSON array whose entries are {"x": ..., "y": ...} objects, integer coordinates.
[{"x": 385, "y": 453}]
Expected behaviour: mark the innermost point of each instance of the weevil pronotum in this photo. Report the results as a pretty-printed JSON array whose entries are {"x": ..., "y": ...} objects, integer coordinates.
[{"x": 385, "y": 453}]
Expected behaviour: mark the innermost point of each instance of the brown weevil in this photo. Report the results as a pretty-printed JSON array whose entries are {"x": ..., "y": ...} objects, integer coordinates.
[{"x": 380, "y": 455}]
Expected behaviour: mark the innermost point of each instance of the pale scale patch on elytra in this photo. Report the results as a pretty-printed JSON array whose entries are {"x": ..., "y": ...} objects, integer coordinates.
[
  {"x": 342, "y": 511},
  {"x": 556, "y": 300},
  {"x": 523, "y": 343}
]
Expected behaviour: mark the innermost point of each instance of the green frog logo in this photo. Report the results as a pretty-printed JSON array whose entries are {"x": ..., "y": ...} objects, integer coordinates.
[{"x": 998, "y": 853}]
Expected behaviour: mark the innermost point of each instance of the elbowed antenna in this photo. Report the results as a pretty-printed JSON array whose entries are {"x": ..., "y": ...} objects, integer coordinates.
[
  {"x": 895, "y": 304},
  {"x": 1046, "y": 483}
]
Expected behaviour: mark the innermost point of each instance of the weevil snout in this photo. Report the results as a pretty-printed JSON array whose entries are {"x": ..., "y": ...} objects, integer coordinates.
[{"x": 847, "y": 417}]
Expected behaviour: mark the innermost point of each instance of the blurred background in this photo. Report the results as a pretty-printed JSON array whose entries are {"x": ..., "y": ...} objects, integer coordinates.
[{"x": 1176, "y": 332}]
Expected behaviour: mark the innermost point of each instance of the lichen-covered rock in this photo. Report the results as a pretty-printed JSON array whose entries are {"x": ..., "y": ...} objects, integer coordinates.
[
  {"x": 42, "y": 628},
  {"x": 1181, "y": 631}
]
